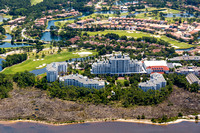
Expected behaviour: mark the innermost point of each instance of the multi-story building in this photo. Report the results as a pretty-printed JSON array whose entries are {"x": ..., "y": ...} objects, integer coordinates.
[
  {"x": 54, "y": 69},
  {"x": 191, "y": 78},
  {"x": 156, "y": 66},
  {"x": 156, "y": 82},
  {"x": 82, "y": 81},
  {"x": 188, "y": 69},
  {"x": 118, "y": 64},
  {"x": 186, "y": 58}
]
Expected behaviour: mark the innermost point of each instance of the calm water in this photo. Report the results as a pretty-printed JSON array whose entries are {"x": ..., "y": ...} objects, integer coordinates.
[
  {"x": 2, "y": 18},
  {"x": 188, "y": 49},
  {"x": 184, "y": 15},
  {"x": 39, "y": 71},
  {"x": 46, "y": 36},
  {"x": 1, "y": 63},
  {"x": 8, "y": 36},
  {"x": 8, "y": 45},
  {"x": 107, "y": 127}
]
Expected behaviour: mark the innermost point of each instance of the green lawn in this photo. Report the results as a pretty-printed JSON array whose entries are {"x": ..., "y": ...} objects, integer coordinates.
[
  {"x": 61, "y": 23},
  {"x": 164, "y": 10},
  {"x": 137, "y": 34},
  {"x": 7, "y": 28},
  {"x": 150, "y": 9},
  {"x": 34, "y": 2},
  {"x": 30, "y": 65},
  {"x": 168, "y": 10}
]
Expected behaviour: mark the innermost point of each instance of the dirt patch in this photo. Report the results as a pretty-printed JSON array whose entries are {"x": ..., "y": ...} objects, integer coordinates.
[{"x": 32, "y": 103}]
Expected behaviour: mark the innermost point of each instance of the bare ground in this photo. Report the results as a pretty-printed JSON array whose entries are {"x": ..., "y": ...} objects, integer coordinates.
[{"x": 35, "y": 104}]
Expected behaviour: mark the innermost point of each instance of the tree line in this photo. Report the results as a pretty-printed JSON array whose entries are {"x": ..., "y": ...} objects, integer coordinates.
[{"x": 13, "y": 59}]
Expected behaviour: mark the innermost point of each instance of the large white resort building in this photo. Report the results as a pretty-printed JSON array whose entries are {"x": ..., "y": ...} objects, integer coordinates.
[
  {"x": 82, "y": 81},
  {"x": 54, "y": 69},
  {"x": 156, "y": 82},
  {"x": 118, "y": 64}
]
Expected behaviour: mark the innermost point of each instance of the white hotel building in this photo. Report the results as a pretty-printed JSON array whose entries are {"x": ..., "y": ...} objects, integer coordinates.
[
  {"x": 118, "y": 64},
  {"x": 82, "y": 81},
  {"x": 156, "y": 82},
  {"x": 54, "y": 69}
]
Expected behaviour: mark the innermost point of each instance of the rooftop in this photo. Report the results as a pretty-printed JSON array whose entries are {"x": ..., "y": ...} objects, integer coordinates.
[{"x": 155, "y": 63}]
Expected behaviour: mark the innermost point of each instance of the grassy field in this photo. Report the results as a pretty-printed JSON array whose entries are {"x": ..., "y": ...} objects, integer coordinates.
[
  {"x": 7, "y": 28},
  {"x": 137, "y": 34},
  {"x": 34, "y": 2},
  {"x": 30, "y": 64},
  {"x": 150, "y": 9},
  {"x": 62, "y": 23},
  {"x": 171, "y": 11},
  {"x": 164, "y": 10}
]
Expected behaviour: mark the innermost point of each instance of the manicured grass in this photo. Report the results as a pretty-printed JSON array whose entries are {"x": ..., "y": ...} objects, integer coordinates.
[
  {"x": 61, "y": 23},
  {"x": 164, "y": 10},
  {"x": 137, "y": 34},
  {"x": 34, "y": 2},
  {"x": 7, "y": 28},
  {"x": 1, "y": 23},
  {"x": 7, "y": 16},
  {"x": 168, "y": 10},
  {"x": 150, "y": 9},
  {"x": 30, "y": 65}
]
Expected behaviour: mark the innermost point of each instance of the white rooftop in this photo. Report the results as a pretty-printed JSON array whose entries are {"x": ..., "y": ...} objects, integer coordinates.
[{"x": 155, "y": 63}]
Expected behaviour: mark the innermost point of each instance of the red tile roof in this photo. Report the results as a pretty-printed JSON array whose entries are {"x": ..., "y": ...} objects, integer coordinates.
[{"x": 165, "y": 68}]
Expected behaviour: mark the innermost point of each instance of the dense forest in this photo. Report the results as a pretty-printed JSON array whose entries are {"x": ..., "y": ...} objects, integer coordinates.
[
  {"x": 5, "y": 85},
  {"x": 14, "y": 59},
  {"x": 24, "y": 8}
]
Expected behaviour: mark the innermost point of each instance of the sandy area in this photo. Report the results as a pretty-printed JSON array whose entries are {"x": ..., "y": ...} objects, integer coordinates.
[
  {"x": 174, "y": 46},
  {"x": 145, "y": 121},
  {"x": 40, "y": 66},
  {"x": 129, "y": 31},
  {"x": 157, "y": 36},
  {"x": 83, "y": 53}
]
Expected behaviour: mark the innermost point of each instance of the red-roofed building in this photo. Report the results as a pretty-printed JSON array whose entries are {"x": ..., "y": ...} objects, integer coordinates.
[{"x": 158, "y": 69}]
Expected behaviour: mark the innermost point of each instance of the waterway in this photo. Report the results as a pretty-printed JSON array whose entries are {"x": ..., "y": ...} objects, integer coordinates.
[
  {"x": 1, "y": 63},
  {"x": 9, "y": 45},
  {"x": 188, "y": 49},
  {"x": 2, "y": 18},
  {"x": 104, "y": 127},
  {"x": 183, "y": 15}
]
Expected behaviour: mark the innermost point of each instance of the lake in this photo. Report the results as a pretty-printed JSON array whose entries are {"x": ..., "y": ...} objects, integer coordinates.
[{"x": 104, "y": 127}]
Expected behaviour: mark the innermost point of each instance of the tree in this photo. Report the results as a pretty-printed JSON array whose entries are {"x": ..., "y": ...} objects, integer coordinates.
[
  {"x": 126, "y": 83},
  {"x": 180, "y": 115},
  {"x": 143, "y": 116}
]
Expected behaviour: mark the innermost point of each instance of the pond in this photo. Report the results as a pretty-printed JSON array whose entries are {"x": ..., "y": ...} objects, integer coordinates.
[
  {"x": 2, "y": 18},
  {"x": 187, "y": 49},
  {"x": 183, "y": 15},
  {"x": 8, "y": 36},
  {"x": 46, "y": 36},
  {"x": 9, "y": 45}
]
